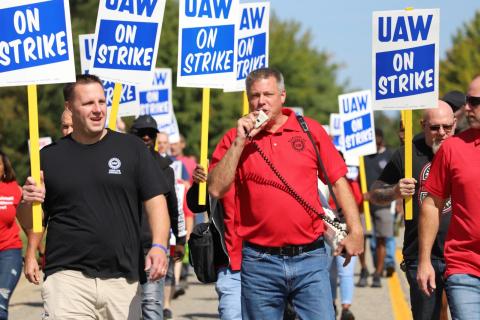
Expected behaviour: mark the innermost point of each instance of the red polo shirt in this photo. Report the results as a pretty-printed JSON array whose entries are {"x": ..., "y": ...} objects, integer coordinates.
[
  {"x": 455, "y": 172},
  {"x": 267, "y": 214}
]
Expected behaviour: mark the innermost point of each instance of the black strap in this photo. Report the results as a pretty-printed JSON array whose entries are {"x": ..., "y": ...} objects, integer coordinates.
[{"x": 304, "y": 126}]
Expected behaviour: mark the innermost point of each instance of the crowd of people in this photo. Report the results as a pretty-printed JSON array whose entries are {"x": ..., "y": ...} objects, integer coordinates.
[{"x": 118, "y": 216}]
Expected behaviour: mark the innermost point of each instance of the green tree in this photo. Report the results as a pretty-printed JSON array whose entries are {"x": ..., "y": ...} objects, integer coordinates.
[{"x": 462, "y": 61}]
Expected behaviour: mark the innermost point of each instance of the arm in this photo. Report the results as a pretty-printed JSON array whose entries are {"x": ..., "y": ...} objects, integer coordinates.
[
  {"x": 427, "y": 231},
  {"x": 353, "y": 243},
  {"x": 199, "y": 175},
  {"x": 31, "y": 269},
  {"x": 157, "y": 213},
  {"x": 383, "y": 194}
]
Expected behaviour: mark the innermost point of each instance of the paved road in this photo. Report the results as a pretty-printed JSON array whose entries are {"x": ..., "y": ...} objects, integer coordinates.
[{"x": 200, "y": 301}]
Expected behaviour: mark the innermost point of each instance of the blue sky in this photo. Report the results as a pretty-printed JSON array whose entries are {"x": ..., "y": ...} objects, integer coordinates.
[{"x": 343, "y": 28}]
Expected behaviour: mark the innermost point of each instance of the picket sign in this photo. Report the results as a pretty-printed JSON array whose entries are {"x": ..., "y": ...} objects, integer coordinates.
[
  {"x": 251, "y": 43},
  {"x": 128, "y": 101},
  {"x": 37, "y": 48},
  {"x": 246, "y": 106},
  {"x": 357, "y": 130},
  {"x": 127, "y": 36},
  {"x": 206, "y": 51}
]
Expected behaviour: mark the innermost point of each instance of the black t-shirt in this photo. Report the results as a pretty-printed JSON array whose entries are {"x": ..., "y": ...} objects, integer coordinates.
[
  {"x": 374, "y": 165},
  {"x": 93, "y": 204},
  {"x": 393, "y": 172}
]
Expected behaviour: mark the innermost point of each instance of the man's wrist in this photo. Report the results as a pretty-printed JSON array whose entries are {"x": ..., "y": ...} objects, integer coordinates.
[{"x": 161, "y": 246}]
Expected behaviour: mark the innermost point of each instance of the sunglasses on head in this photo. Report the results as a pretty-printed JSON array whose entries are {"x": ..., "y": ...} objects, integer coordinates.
[
  {"x": 473, "y": 101},
  {"x": 436, "y": 127}
]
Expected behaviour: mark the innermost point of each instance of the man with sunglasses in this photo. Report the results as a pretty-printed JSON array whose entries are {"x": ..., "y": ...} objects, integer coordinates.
[
  {"x": 455, "y": 173},
  {"x": 145, "y": 127},
  {"x": 438, "y": 124}
]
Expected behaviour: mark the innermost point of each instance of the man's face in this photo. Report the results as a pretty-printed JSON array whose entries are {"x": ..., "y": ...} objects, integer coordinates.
[
  {"x": 264, "y": 95},
  {"x": 438, "y": 127},
  {"x": 162, "y": 143},
  {"x": 67, "y": 123},
  {"x": 88, "y": 109},
  {"x": 148, "y": 136},
  {"x": 472, "y": 108}
]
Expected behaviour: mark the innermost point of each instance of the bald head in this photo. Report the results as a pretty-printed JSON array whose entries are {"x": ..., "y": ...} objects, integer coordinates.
[
  {"x": 66, "y": 122},
  {"x": 438, "y": 124},
  {"x": 162, "y": 142}
]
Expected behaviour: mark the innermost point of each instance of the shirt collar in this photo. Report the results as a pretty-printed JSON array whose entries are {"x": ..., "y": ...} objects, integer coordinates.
[{"x": 292, "y": 123}]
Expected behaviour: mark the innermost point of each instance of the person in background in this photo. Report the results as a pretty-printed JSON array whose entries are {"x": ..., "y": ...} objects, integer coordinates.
[
  {"x": 382, "y": 218},
  {"x": 66, "y": 123},
  {"x": 457, "y": 102},
  {"x": 10, "y": 242},
  {"x": 438, "y": 124},
  {"x": 145, "y": 127},
  {"x": 189, "y": 162}
]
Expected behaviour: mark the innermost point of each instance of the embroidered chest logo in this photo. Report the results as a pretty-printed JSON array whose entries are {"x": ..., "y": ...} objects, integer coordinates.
[
  {"x": 298, "y": 143},
  {"x": 114, "y": 165},
  {"x": 422, "y": 192}
]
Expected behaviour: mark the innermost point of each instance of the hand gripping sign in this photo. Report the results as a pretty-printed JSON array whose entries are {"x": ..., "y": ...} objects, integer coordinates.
[
  {"x": 405, "y": 59},
  {"x": 35, "y": 48}
]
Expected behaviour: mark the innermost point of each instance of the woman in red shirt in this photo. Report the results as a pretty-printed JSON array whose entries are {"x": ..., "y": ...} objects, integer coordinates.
[{"x": 10, "y": 242}]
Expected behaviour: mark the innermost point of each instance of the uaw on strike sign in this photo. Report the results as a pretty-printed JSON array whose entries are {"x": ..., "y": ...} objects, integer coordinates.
[
  {"x": 127, "y": 37},
  {"x": 405, "y": 59},
  {"x": 35, "y": 42}
]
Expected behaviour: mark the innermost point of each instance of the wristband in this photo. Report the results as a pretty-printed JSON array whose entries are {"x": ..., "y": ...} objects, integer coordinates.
[{"x": 161, "y": 246}]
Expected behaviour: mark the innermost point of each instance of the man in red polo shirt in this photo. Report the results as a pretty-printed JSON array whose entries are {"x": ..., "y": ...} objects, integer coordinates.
[
  {"x": 455, "y": 173},
  {"x": 284, "y": 256}
]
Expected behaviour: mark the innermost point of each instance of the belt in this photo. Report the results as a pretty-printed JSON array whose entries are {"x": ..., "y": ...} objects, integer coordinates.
[{"x": 291, "y": 250}]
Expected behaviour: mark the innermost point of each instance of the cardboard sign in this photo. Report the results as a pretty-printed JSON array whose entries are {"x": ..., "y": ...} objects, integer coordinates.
[
  {"x": 335, "y": 130},
  {"x": 405, "y": 59},
  {"x": 251, "y": 41},
  {"x": 206, "y": 42},
  {"x": 156, "y": 100},
  {"x": 127, "y": 37},
  {"x": 358, "y": 128},
  {"x": 128, "y": 100},
  {"x": 35, "y": 42}
]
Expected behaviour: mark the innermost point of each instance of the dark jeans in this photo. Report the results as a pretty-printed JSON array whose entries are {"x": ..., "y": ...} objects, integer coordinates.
[
  {"x": 423, "y": 307},
  {"x": 10, "y": 271}
]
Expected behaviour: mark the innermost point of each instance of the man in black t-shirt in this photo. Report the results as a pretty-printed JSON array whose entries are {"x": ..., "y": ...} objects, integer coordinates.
[
  {"x": 438, "y": 124},
  {"x": 94, "y": 183}
]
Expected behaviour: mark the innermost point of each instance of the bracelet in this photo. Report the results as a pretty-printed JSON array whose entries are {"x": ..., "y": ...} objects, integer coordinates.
[{"x": 161, "y": 246}]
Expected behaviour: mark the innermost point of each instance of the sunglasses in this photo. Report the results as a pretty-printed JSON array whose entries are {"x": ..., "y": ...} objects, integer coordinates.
[
  {"x": 446, "y": 127},
  {"x": 473, "y": 101}
]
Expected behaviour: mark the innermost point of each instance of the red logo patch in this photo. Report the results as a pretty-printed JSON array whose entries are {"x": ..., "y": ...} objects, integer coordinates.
[{"x": 298, "y": 143}]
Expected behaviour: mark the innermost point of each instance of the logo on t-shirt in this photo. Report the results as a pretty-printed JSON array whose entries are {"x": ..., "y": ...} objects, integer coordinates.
[
  {"x": 422, "y": 193},
  {"x": 114, "y": 165},
  {"x": 298, "y": 143},
  {"x": 6, "y": 201}
]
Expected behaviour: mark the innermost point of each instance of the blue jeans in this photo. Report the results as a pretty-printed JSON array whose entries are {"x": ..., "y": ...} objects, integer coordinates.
[
  {"x": 390, "y": 246},
  {"x": 463, "y": 294},
  {"x": 268, "y": 281},
  {"x": 229, "y": 290},
  {"x": 10, "y": 271},
  {"x": 152, "y": 299},
  {"x": 345, "y": 275},
  {"x": 424, "y": 307}
]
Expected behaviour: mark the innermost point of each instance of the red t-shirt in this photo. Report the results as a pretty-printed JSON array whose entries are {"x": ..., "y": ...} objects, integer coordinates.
[
  {"x": 455, "y": 172},
  {"x": 268, "y": 215},
  {"x": 10, "y": 195}
]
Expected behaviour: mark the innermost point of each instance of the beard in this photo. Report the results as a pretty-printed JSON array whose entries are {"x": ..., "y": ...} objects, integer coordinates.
[{"x": 436, "y": 145}]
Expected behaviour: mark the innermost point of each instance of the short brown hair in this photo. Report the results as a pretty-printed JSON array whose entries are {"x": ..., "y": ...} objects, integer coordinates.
[
  {"x": 80, "y": 79},
  {"x": 265, "y": 73},
  {"x": 8, "y": 172}
]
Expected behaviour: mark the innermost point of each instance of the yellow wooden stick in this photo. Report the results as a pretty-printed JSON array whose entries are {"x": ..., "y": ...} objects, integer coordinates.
[
  {"x": 202, "y": 191},
  {"x": 117, "y": 92},
  {"x": 246, "y": 106},
  {"x": 363, "y": 186},
  {"x": 408, "y": 160},
  {"x": 34, "y": 153}
]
